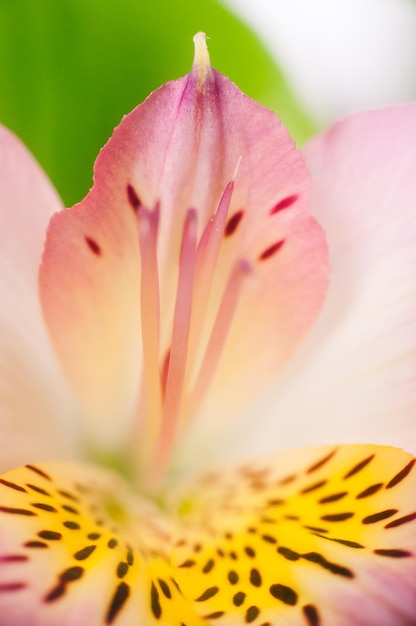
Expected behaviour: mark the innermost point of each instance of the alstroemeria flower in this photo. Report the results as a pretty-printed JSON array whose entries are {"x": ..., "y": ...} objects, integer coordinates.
[{"x": 172, "y": 293}]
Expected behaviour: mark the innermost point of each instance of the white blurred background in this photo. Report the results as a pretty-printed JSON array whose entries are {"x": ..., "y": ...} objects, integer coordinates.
[{"x": 339, "y": 55}]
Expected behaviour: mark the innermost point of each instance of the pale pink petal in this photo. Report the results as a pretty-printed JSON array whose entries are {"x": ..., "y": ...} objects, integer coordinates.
[
  {"x": 354, "y": 379},
  {"x": 36, "y": 410},
  {"x": 162, "y": 176}
]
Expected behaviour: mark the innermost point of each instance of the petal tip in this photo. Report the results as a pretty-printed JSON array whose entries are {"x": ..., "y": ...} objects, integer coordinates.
[{"x": 202, "y": 64}]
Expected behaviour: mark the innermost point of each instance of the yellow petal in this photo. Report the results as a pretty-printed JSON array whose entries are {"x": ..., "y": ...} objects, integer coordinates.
[
  {"x": 325, "y": 536},
  {"x": 78, "y": 549}
]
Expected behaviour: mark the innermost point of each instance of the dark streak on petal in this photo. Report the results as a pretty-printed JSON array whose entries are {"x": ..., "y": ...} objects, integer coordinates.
[
  {"x": 133, "y": 198},
  {"x": 38, "y": 471},
  {"x": 284, "y": 204},
  {"x": 119, "y": 599},
  {"x": 321, "y": 462},
  {"x": 6, "y": 483},
  {"x": 93, "y": 245},
  {"x": 233, "y": 223},
  {"x": 271, "y": 250},
  {"x": 401, "y": 475}
]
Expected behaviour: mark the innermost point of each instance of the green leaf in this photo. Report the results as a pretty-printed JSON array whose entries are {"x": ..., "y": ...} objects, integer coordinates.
[{"x": 70, "y": 69}]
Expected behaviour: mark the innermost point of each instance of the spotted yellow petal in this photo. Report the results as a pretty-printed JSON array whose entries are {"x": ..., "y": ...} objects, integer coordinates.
[
  {"x": 322, "y": 537},
  {"x": 325, "y": 537},
  {"x": 78, "y": 549}
]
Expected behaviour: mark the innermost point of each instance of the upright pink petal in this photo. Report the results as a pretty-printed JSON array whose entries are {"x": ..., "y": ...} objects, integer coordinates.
[
  {"x": 35, "y": 408},
  {"x": 214, "y": 181},
  {"x": 355, "y": 377}
]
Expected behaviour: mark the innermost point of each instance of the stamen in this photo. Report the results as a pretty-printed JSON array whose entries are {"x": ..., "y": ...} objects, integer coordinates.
[
  {"x": 219, "y": 334},
  {"x": 150, "y": 318},
  {"x": 206, "y": 261},
  {"x": 180, "y": 337}
]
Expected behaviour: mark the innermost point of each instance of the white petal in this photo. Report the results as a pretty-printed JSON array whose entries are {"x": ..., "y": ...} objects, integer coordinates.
[{"x": 35, "y": 407}]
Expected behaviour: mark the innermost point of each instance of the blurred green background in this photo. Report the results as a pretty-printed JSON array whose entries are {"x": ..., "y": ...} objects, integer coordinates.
[{"x": 70, "y": 69}]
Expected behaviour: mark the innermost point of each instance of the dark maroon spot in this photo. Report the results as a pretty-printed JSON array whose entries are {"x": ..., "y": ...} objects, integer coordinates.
[
  {"x": 57, "y": 592},
  {"x": 119, "y": 599},
  {"x": 252, "y": 613},
  {"x": 402, "y": 520},
  {"x": 133, "y": 198},
  {"x": 378, "y": 517},
  {"x": 284, "y": 204},
  {"x": 312, "y": 615},
  {"x": 316, "y": 529},
  {"x": 122, "y": 569},
  {"x": 12, "y": 587},
  {"x": 314, "y": 486},
  {"x": 250, "y": 552},
  {"x": 271, "y": 250},
  {"x": 393, "y": 553},
  {"x": 129, "y": 556},
  {"x": 84, "y": 553},
  {"x": 35, "y": 544},
  {"x": 233, "y": 577},
  {"x": 370, "y": 491},
  {"x": 39, "y": 472},
  {"x": 284, "y": 593},
  {"x": 165, "y": 588},
  {"x": 44, "y": 507},
  {"x": 321, "y": 462},
  {"x": 208, "y": 593},
  {"x": 401, "y": 475},
  {"x": 337, "y": 517},
  {"x": 71, "y": 525},
  {"x": 43, "y": 492},
  {"x": 334, "y": 498},
  {"x": 50, "y": 535},
  {"x": 13, "y": 511},
  {"x": 255, "y": 577},
  {"x": 70, "y": 509},
  {"x": 93, "y": 536},
  {"x": 6, "y": 483},
  {"x": 233, "y": 223},
  {"x": 238, "y": 598},
  {"x": 334, "y": 568},
  {"x": 93, "y": 245},
  {"x": 155, "y": 602},
  {"x": 357, "y": 468},
  {"x": 13, "y": 558},
  {"x": 288, "y": 554},
  {"x": 215, "y": 615},
  {"x": 188, "y": 563},
  {"x": 208, "y": 566},
  {"x": 67, "y": 494},
  {"x": 112, "y": 543},
  {"x": 71, "y": 574},
  {"x": 343, "y": 542}
]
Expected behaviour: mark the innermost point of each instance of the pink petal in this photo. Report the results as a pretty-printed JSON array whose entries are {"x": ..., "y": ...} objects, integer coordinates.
[
  {"x": 355, "y": 377},
  {"x": 35, "y": 407},
  {"x": 178, "y": 151}
]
